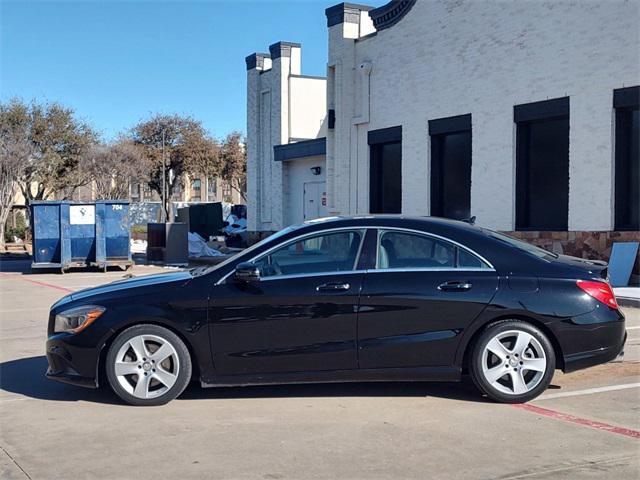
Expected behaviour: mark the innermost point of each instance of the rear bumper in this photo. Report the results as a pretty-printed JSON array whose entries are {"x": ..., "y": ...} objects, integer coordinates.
[
  {"x": 578, "y": 361},
  {"x": 592, "y": 338}
]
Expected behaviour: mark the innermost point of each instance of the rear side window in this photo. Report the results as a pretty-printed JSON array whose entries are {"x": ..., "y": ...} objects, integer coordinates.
[
  {"x": 520, "y": 245},
  {"x": 469, "y": 260},
  {"x": 400, "y": 250}
]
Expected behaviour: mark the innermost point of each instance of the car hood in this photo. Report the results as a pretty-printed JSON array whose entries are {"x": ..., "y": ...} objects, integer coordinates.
[{"x": 128, "y": 284}]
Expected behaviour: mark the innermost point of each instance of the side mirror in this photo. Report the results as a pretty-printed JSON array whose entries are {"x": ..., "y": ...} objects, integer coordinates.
[{"x": 247, "y": 272}]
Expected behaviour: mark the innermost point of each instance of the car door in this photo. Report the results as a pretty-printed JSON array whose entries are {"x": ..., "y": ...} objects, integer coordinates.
[
  {"x": 423, "y": 292},
  {"x": 300, "y": 316}
]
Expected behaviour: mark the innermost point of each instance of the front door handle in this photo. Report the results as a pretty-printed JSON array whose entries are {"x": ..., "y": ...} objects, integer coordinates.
[
  {"x": 333, "y": 287},
  {"x": 455, "y": 286}
]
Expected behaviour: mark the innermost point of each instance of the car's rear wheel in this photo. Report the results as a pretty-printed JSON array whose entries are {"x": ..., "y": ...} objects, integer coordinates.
[
  {"x": 512, "y": 362},
  {"x": 148, "y": 365}
]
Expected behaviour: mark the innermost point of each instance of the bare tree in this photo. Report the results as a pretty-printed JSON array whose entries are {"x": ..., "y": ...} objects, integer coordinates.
[
  {"x": 112, "y": 167},
  {"x": 204, "y": 161},
  {"x": 14, "y": 149},
  {"x": 233, "y": 157}
]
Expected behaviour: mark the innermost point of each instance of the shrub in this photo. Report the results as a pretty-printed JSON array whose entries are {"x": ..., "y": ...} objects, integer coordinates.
[{"x": 19, "y": 229}]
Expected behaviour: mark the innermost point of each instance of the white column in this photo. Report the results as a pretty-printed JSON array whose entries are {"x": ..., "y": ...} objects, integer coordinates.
[
  {"x": 591, "y": 161},
  {"x": 285, "y": 57},
  {"x": 255, "y": 64},
  {"x": 493, "y": 167}
]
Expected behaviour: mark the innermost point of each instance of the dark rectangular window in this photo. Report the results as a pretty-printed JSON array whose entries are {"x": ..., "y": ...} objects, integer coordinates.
[
  {"x": 451, "y": 167},
  {"x": 385, "y": 179},
  {"x": 627, "y": 159},
  {"x": 542, "y": 165}
]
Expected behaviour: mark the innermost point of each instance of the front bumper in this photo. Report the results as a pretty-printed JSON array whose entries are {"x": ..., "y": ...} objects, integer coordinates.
[
  {"x": 72, "y": 379},
  {"x": 71, "y": 364}
]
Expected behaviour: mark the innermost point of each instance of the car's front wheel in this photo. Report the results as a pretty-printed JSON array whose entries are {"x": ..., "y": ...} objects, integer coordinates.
[
  {"x": 148, "y": 365},
  {"x": 512, "y": 362}
]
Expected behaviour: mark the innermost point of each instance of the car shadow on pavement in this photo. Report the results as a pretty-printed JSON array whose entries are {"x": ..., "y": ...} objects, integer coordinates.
[
  {"x": 26, "y": 376},
  {"x": 463, "y": 391}
]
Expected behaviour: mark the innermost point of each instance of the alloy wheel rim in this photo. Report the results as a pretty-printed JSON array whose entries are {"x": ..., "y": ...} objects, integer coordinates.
[
  {"x": 147, "y": 366},
  {"x": 514, "y": 362}
]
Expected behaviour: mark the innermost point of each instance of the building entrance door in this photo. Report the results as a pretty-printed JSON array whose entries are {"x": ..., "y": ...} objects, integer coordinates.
[{"x": 314, "y": 200}]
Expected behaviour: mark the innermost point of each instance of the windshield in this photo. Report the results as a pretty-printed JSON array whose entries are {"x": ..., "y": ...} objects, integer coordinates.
[
  {"x": 520, "y": 245},
  {"x": 197, "y": 271}
]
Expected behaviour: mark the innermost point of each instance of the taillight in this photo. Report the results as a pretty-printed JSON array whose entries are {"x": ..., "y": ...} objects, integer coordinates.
[{"x": 601, "y": 291}]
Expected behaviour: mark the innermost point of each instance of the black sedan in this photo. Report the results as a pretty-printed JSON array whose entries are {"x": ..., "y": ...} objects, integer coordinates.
[{"x": 372, "y": 298}]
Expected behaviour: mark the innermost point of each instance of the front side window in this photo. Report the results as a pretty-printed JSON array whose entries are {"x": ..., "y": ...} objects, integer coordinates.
[
  {"x": 327, "y": 252},
  {"x": 398, "y": 250}
]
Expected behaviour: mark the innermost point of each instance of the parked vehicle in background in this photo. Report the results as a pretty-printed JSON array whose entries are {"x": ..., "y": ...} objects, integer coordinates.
[{"x": 372, "y": 298}]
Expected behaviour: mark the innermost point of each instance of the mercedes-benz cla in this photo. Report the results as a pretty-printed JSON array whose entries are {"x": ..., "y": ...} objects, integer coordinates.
[{"x": 372, "y": 298}]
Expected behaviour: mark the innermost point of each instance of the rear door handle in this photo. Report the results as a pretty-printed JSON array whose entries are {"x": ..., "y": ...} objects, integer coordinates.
[
  {"x": 455, "y": 286},
  {"x": 333, "y": 287}
]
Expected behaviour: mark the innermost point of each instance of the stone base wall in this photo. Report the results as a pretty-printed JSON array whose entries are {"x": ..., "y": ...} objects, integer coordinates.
[{"x": 583, "y": 244}]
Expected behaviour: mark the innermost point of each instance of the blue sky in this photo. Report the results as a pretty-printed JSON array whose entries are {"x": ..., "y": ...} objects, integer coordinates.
[{"x": 116, "y": 62}]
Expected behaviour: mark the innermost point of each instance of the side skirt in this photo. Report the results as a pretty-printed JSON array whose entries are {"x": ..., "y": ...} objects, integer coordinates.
[{"x": 432, "y": 374}]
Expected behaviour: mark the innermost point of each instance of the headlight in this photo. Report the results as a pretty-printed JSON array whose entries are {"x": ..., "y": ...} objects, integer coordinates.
[{"x": 77, "y": 319}]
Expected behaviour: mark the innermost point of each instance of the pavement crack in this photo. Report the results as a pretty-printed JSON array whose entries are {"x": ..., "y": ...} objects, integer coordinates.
[
  {"x": 15, "y": 462},
  {"x": 599, "y": 465}
]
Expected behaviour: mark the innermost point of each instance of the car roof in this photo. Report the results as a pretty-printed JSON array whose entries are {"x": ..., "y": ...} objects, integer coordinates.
[
  {"x": 387, "y": 218},
  {"x": 428, "y": 224}
]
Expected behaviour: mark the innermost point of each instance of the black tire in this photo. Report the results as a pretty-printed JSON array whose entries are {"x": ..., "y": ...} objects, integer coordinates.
[
  {"x": 184, "y": 367},
  {"x": 476, "y": 362}
]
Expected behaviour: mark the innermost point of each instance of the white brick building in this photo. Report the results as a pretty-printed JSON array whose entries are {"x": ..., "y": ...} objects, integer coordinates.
[{"x": 523, "y": 114}]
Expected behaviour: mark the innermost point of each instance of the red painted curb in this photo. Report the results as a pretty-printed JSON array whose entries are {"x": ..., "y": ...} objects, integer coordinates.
[
  {"x": 50, "y": 285},
  {"x": 42, "y": 284},
  {"x": 627, "y": 432}
]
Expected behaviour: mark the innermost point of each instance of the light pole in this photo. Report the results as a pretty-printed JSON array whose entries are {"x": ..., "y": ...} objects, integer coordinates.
[{"x": 164, "y": 183}]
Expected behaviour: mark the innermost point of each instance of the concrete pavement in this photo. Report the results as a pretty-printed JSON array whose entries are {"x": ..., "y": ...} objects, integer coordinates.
[{"x": 50, "y": 430}]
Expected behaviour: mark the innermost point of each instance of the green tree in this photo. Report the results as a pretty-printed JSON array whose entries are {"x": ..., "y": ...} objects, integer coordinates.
[
  {"x": 58, "y": 142},
  {"x": 186, "y": 144}
]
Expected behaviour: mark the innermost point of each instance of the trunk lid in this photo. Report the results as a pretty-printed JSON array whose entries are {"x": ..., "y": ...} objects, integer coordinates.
[{"x": 593, "y": 268}]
